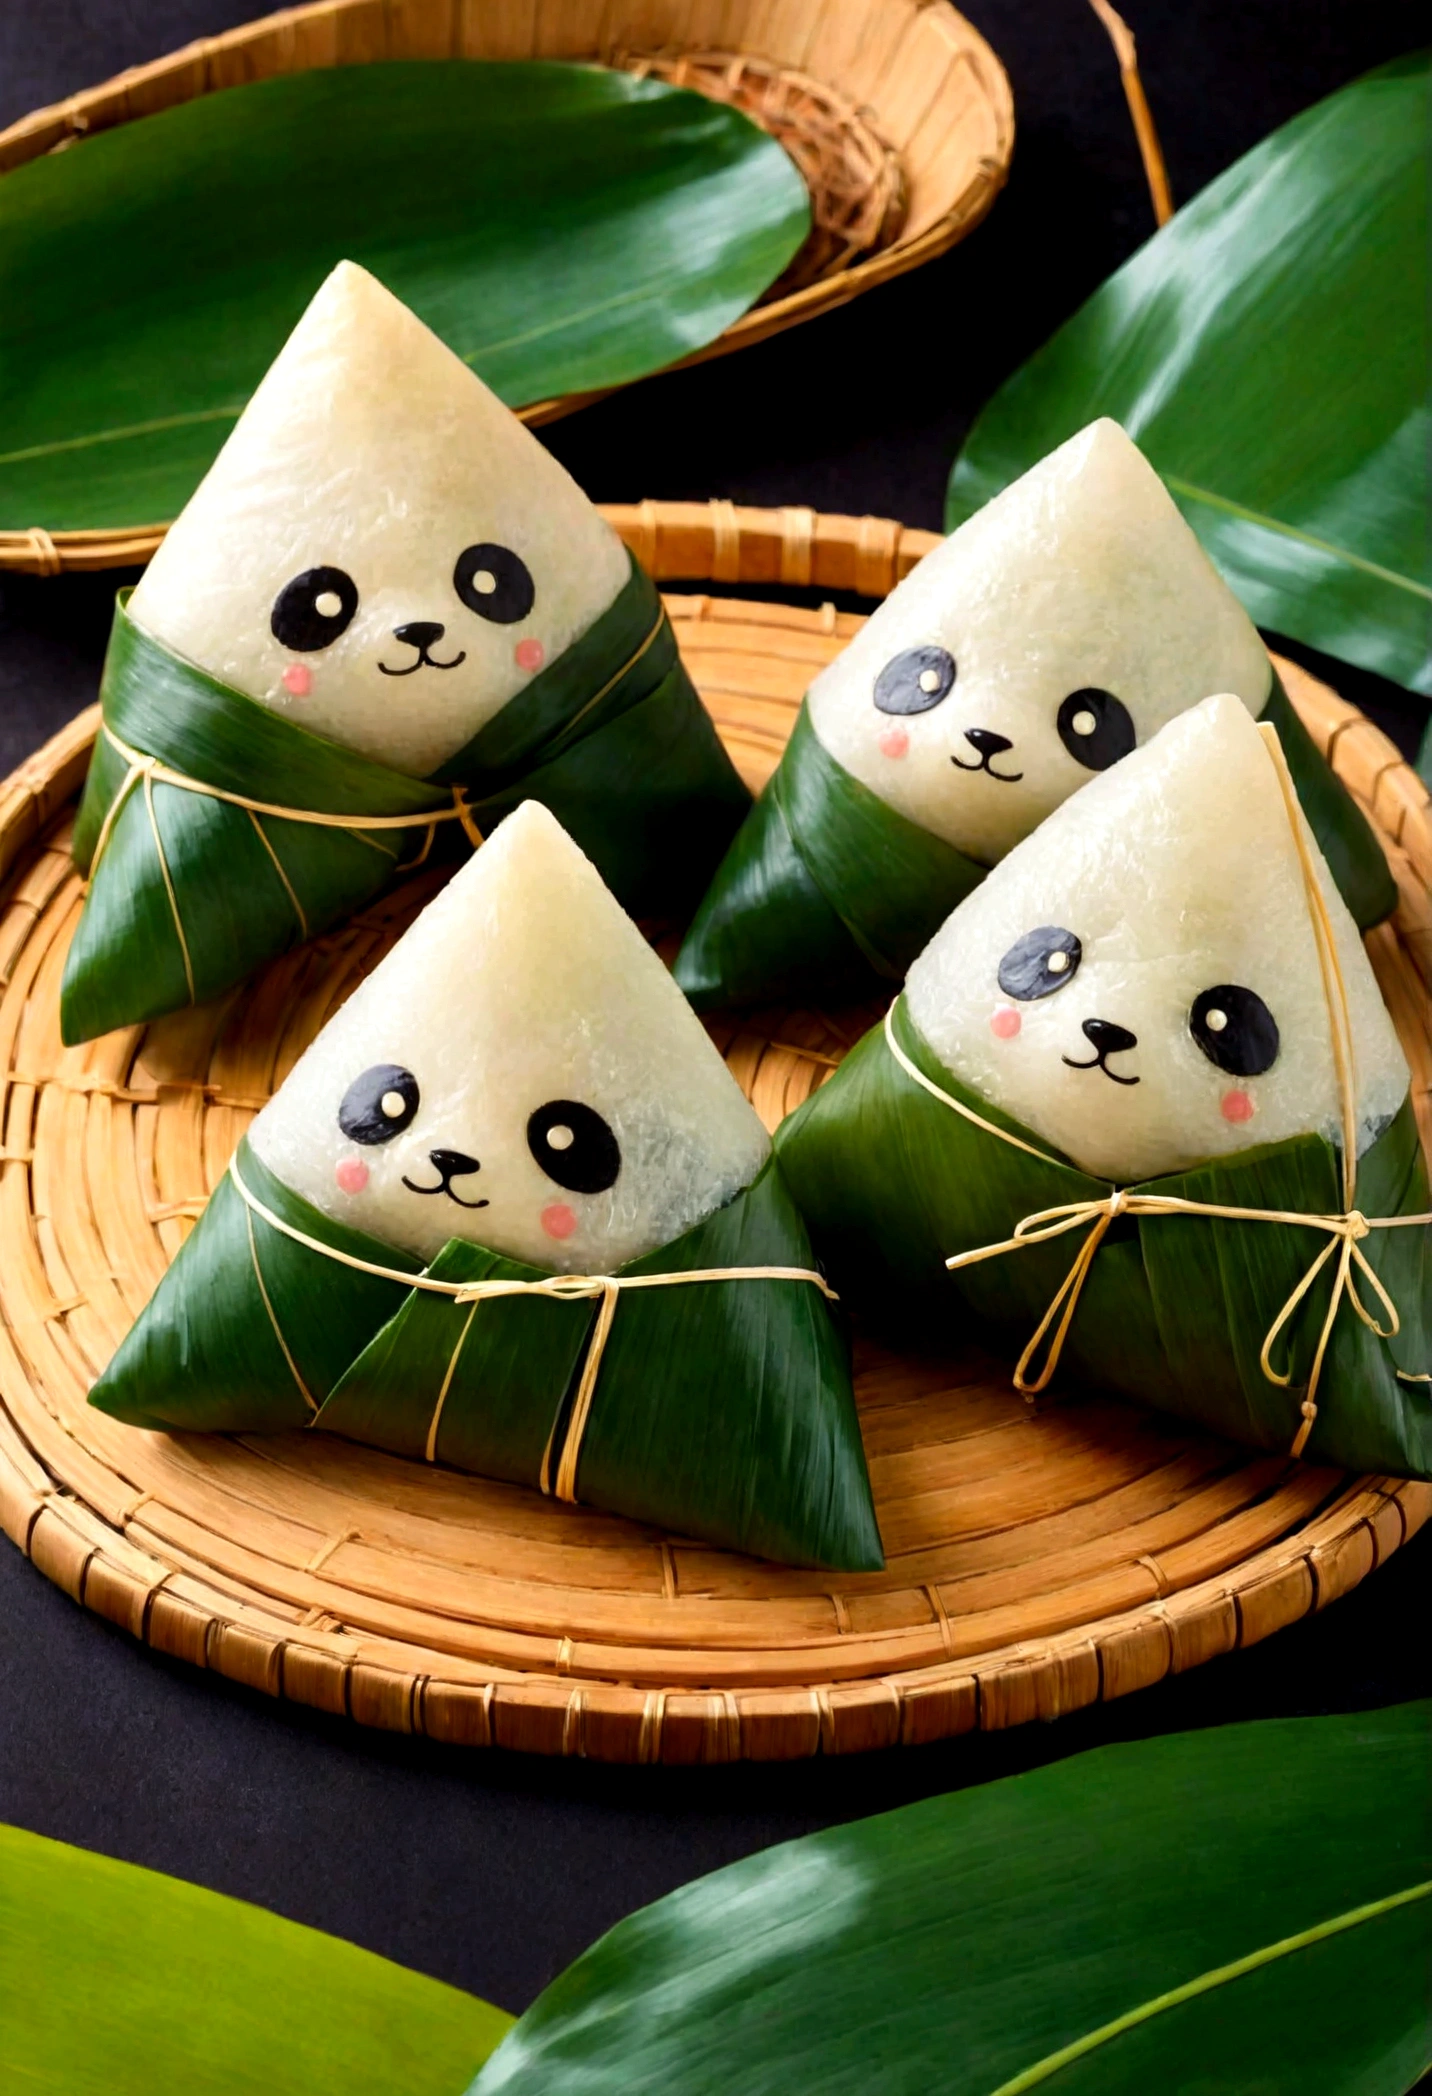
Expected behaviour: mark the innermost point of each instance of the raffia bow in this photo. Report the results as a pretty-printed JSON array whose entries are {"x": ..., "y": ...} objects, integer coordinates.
[
  {"x": 561, "y": 1484},
  {"x": 1345, "y": 1232}
]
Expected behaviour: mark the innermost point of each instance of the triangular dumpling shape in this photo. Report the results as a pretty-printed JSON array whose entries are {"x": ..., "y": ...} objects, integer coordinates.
[
  {"x": 1138, "y": 981},
  {"x": 1057, "y": 629},
  {"x": 381, "y": 551},
  {"x": 520, "y": 1071}
]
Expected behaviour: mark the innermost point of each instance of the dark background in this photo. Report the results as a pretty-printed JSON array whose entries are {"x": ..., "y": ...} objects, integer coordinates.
[{"x": 490, "y": 1870}]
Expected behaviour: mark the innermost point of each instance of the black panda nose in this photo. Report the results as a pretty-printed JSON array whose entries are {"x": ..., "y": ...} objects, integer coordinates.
[
  {"x": 419, "y": 633},
  {"x": 453, "y": 1164},
  {"x": 1108, "y": 1038},
  {"x": 987, "y": 742}
]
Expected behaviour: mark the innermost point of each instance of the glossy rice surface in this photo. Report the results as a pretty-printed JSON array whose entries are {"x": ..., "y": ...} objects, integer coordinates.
[
  {"x": 370, "y": 448},
  {"x": 1080, "y": 575},
  {"x": 1178, "y": 874},
  {"x": 523, "y": 985}
]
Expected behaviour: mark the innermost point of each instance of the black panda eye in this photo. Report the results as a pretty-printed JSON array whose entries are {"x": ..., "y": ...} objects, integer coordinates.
[
  {"x": 574, "y": 1146},
  {"x": 311, "y": 611},
  {"x": 1235, "y": 1029},
  {"x": 1096, "y": 728},
  {"x": 494, "y": 583},
  {"x": 1040, "y": 963},
  {"x": 379, "y": 1105},
  {"x": 915, "y": 681}
]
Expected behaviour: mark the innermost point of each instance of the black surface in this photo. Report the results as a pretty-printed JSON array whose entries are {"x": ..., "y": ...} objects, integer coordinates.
[{"x": 489, "y": 1870}]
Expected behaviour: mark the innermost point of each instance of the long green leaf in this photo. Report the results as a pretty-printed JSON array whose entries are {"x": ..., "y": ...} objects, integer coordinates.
[
  {"x": 563, "y": 227},
  {"x": 1243, "y": 1912},
  {"x": 116, "y": 1981},
  {"x": 1268, "y": 349}
]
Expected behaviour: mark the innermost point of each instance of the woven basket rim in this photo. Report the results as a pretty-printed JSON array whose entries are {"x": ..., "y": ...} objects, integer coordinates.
[{"x": 841, "y": 1689}]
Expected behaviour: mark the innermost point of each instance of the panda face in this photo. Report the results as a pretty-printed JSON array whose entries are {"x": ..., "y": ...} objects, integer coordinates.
[
  {"x": 520, "y": 1071},
  {"x": 381, "y": 551},
  {"x": 1050, "y": 637},
  {"x": 409, "y": 1159},
  {"x": 1138, "y": 981}
]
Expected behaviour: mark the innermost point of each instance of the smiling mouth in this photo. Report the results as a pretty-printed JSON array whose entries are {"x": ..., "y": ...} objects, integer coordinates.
[
  {"x": 444, "y": 1186},
  {"x": 426, "y": 662},
  {"x": 1097, "y": 1062},
  {"x": 1006, "y": 778}
]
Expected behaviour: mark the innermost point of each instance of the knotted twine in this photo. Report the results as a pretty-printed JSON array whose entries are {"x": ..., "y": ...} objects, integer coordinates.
[
  {"x": 1344, "y": 1232},
  {"x": 148, "y": 772},
  {"x": 605, "y": 1288}
]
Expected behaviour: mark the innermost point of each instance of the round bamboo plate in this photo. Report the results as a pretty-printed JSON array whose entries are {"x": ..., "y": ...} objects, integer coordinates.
[
  {"x": 897, "y": 113},
  {"x": 1039, "y": 1559}
]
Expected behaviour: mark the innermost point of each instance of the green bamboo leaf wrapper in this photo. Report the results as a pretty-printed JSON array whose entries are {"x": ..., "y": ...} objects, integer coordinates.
[
  {"x": 1267, "y": 350},
  {"x": 563, "y": 228},
  {"x": 611, "y": 736},
  {"x": 826, "y": 890},
  {"x": 1175, "y": 1309},
  {"x": 722, "y": 1409},
  {"x": 116, "y": 1981},
  {"x": 1069, "y": 1929}
]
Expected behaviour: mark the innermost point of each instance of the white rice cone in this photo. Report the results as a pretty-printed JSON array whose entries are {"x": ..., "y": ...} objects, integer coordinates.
[
  {"x": 1081, "y": 578},
  {"x": 1172, "y": 887},
  {"x": 523, "y": 990},
  {"x": 371, "y": 450}
]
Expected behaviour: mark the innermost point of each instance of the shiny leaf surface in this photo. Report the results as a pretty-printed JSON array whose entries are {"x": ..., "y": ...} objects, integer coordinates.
[
  {"x": 1212, "y": 1914},
  {"x": 1268, "y": 349},
  {"x": 116, "y": 1981},
  {"x": 562, "y": 227}
]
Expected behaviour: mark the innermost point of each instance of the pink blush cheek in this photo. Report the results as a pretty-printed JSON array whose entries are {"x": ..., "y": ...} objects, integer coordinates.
[
  {"x": 529, "y": 654},
  {"x": 558, "y": 1220},
  {"x": 1237, "y": 1107},
  {"x": 895, "y": 742},
  {"x": 351, "y": 1174},
  {"x": 1004, "y": 1022},
  {"x": 298, "y": 679}
]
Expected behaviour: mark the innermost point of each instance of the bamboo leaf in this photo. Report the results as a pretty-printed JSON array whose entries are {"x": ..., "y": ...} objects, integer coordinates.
[
  {"x": 1268, "y": 350},
  {"x": 116, "y": 1981},
  {"x": 563, "y": 227},
  {"x": 1234, "y": 1910}
]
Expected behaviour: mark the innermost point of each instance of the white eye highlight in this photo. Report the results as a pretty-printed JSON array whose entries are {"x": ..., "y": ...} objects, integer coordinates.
[
  {"x": 484, "y": 582},
  {"x": 929, "y": 680},
  {"x": 1057, "y": 962},
  {"x": 392, "y": 1105},
  {"x": 560, "y": 1138},
  {"x": 1215, "y": 1020},
  {"x": 328, "y": 604},
  {"x": 1084, "y": 723}
]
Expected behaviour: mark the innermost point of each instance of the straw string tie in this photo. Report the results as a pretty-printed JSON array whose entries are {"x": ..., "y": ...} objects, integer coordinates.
[
  {"x": 560, "y": 1484},
  {"x": 146, "y": 772},
  {"x": 1345, "y": 1234}
]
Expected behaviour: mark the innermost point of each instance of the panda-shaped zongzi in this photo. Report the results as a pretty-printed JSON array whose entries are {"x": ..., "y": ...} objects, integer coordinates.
[
  {"x": 520, "y": 1071},
  {"x": 381, "y": 551},
  {"x": 1138, "y": 981},
  {"x": 1053, "y": 633}
]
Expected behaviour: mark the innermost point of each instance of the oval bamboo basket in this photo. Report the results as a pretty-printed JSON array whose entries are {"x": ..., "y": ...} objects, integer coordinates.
[
  {"x": 897, "y": 113},
  {"x": 1039, "y": 1559}
]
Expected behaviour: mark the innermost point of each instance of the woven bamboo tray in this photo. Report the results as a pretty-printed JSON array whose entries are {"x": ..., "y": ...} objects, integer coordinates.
[
  {"x": 1038, "y": 1559},
  {"x": 896, "y": 112}
]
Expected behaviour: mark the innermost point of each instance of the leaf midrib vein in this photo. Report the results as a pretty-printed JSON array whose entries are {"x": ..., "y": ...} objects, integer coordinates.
[
  {"x": 1043, "y": 2070},
  {"x": 1291, "y": 531}
]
